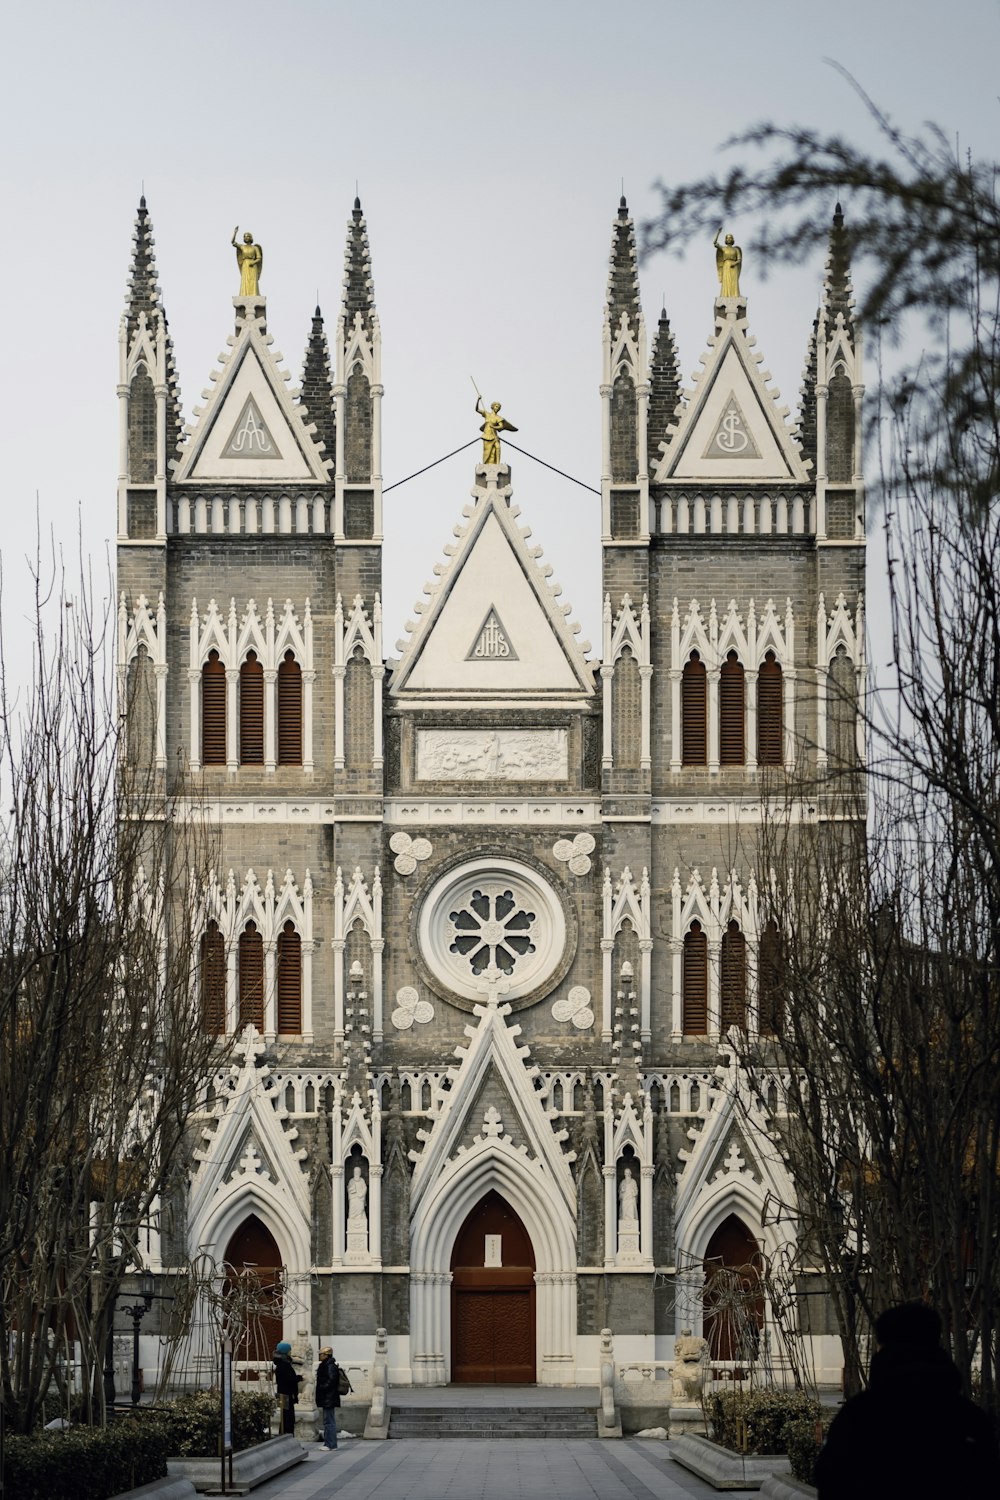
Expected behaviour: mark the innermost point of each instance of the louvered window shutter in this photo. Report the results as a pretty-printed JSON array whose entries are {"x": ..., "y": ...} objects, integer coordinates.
[
  {"x": 289, "y": 712},
  {"x": 732, "y": 734},
  {"x": 251, "y": 712},
  {"x": 251, "y": 977},
  {"x": 213, "y": 711},
  {"x": 694, "y": 983},
  {"x": 694, "y": 718},
  {"x": 733, "y": 978},
  {"x": 213, "y": 980},
  {"x": 769, "y": 981},
  {"x": 289, "y": 981},
  {"x": 769, "y": 712}
]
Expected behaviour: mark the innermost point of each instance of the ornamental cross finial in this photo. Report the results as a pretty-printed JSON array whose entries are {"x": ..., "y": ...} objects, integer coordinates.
[{"x": 497, "y": 984}]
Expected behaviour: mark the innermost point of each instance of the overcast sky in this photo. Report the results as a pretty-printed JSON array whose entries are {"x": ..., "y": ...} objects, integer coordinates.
[{"x": 489, "y": 144}]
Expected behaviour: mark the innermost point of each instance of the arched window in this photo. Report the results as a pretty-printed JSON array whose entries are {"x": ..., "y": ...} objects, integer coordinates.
[
  {"x": 694, "y": 981},
  {"x": 213, "y": 711},
  {"x": 251, "y": 955},
  {"x": 694, "y": 715},
  {"x": 213, "y": 980},
  {"x": 770, "y": 996},
  {"x": 841, "y": 711},
  {"x": 732, "y": 720},
  {"x": 770, "y": 697},
  {"x": 289, "y": 712},
  {"x": 251, "y": 711},
  {"x": 733, "y": 978},
  {"x": 289, "y": 981}
]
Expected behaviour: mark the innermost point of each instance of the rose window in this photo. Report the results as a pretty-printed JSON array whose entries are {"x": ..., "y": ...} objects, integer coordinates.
[
  {"x": 492, "y": 928},
  {"x": 492, "y": 919}
]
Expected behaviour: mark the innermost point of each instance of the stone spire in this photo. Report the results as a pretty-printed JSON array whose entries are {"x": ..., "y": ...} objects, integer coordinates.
[
  {"x": 317, "y": 387},
  {"x": 837, "y": 298},
  {"x": 359, "y": 294},
  {"x": 143, "y": 300},
  {"x": 623, "y": 277},
  {"x": 664, "y": 387}
]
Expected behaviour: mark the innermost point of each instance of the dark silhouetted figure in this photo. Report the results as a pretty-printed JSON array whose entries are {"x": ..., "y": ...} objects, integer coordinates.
[{"x": 911, "y": 1433}]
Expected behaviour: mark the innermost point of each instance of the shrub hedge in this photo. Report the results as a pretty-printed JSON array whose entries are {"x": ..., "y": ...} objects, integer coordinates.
[
  {"x": 93, "y": 1463},
  {"x": 804, "y": 1441},
  {"x": 767, "y": 1415}
]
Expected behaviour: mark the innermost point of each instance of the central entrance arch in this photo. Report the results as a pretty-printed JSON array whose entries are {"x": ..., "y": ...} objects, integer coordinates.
[
  {"x": 493, "y": 1298},
  {"x": 734, "y": 1301},
  {"x": 254, "y": 1274}
]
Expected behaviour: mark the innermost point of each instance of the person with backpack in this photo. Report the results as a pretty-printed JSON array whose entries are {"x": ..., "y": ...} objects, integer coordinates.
[
  {"x": 911, "y": 1433},
  {"x": 331, "y": 1383}
]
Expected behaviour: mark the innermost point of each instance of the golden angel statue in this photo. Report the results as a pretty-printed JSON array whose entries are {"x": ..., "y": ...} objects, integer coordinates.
[
  {"x": 493, "y": 425},
  {"x": 250, "y": 260},
  {"x": 728, "y": 261}
]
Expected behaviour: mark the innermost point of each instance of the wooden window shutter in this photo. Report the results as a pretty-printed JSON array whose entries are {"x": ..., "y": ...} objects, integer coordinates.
[
  {"x": 289, "y": 712},
  {"x": 251, "y": 954},
  {"x": 733, "y": 978},
  {"x": 213, "y": 980},
  {"x": 694, "y": 981},
  {"x": 770, "y": 704},
  {"x": 694, "y": 716},
  {"x": 732, "y": 720},
  {"x": 289, "y": 981},
  {"x": 770, "y": 1001},
  {"x": 251, "y": 711},
  {"x": 213, "y": 711}
]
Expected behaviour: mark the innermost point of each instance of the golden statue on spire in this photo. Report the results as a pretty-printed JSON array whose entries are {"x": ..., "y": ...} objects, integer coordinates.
[
  {"x": 493, "y": 425},
  {"x": 250, "y": 260},
  {"x": 728, "y": 263}
]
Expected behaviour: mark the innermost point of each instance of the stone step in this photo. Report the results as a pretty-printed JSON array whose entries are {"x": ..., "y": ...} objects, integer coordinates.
[{"x": 493, "y": 1422}]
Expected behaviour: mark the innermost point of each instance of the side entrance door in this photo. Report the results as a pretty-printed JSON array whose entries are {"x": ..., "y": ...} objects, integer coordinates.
[{"x": 493, "y": 1298}]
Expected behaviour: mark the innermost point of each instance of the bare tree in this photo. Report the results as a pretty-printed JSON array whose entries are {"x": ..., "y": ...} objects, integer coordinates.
[
  {"x": 887, "y": 1004},
  {"x": 102, "y": 1047}
]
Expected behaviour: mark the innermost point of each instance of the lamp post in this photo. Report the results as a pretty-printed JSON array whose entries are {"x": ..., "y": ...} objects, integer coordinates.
[{"x": 137, "y": 1312}]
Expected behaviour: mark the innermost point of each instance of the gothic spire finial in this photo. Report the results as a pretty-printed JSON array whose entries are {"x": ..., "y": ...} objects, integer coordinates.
[
  {"x": 664, "y": 388},
  {"x": 317, "y": 386},
  {"x": 143, "y": 297},
  {"x": 623, "y": 278},
  {"x": 359, "y": 296}
]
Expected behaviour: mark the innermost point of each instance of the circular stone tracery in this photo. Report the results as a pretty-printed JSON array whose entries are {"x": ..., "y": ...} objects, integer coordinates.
[{"x": 497, "y": 922}]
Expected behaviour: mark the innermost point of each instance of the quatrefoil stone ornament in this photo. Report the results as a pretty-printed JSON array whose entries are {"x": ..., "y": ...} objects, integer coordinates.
[
  {"x": 410, "y": 1008},
  {"x": 408, "y": 851},
  {"x": 576, "y": 852},
  {"x": 575, "y": 1007}
]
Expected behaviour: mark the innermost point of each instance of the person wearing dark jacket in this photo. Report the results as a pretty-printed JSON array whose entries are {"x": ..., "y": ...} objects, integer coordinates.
[
  {"x": 911, "y": 1433},
  {"x": 288, "y": 1380},
  {"x": 328, "y": 1394}
]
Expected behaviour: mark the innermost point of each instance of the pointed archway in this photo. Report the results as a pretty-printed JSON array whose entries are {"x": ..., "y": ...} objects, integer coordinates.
[
  {"x": 493, "y": 1297},
  {"x": 254, "y": 1277},
  {"x": 733, "y": 1297}
]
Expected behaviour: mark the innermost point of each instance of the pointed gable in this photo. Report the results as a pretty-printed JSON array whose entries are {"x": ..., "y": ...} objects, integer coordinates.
[
  {"x": 251, "y": 428},
  {"x": 493, "y": 625},
  {"x": 731, "y": 428}
]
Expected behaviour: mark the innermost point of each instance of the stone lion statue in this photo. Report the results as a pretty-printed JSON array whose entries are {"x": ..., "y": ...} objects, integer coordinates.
[{"x": 690, "y": 1362}]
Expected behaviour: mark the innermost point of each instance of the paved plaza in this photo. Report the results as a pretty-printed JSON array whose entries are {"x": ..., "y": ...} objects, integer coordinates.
[{"x": 516, "y": 1469}]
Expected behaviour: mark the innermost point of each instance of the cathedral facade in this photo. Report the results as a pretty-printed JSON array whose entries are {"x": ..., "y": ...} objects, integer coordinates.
[{"x": 485, "y": 907}]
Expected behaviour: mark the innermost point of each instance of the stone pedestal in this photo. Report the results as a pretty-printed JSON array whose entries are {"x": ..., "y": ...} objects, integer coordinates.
[
  {"x": 628, "y": 1242},
  {"x": 357, "y": 1246}
]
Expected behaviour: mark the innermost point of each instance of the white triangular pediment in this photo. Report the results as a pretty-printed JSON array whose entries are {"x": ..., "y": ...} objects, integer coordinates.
[
  {"x": 732, "y": 429},
  {"x": 251, "y": 429},
  {"x": 492, "y": 1106},
  {"x": 493, "y": 626}
]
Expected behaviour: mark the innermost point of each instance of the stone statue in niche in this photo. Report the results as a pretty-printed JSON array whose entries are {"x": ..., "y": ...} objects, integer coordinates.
[
  {"x": 628, "y": 1199},
  {"x": 357, "y": 1217}
]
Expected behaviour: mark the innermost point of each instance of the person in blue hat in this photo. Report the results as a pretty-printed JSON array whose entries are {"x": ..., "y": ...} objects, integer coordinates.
[{"x": 288, "y": 1381}]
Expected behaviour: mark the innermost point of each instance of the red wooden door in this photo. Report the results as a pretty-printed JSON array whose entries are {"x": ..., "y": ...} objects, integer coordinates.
[
  {"x": 734, "y": 1304},
  {"x": 493, "y": 1305},
  {"x": 254, "y": 1260}
]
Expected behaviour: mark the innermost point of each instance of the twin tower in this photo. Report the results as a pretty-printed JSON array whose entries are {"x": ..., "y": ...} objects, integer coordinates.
[{"x": 483, "y": 910}]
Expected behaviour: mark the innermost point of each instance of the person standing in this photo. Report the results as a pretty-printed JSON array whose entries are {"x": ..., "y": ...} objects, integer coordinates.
[
  {"x": 288, "y": 1381},
  {"x": 328, "y": 1394},
  {"x": 911, "y": 1433}
]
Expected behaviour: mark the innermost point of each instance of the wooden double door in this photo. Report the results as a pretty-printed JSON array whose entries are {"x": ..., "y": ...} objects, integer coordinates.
[{"x": 493, "y": 1298}]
